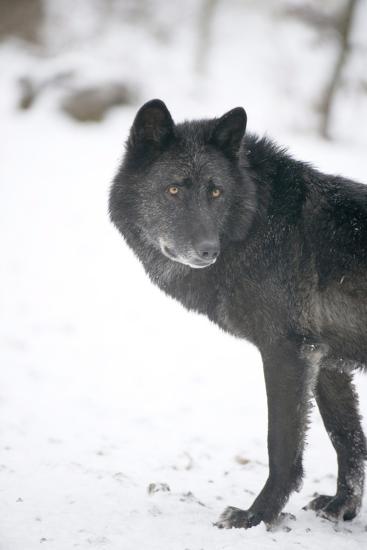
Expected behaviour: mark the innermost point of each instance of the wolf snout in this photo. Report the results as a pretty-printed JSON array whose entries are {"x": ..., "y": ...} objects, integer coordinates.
[{"x": 207, "y": 250}]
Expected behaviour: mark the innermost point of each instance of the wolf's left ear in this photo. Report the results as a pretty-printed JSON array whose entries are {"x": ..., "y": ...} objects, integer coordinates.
[
  {"x": 229, "y": 131},
  {"x": 153, "y": 125}
]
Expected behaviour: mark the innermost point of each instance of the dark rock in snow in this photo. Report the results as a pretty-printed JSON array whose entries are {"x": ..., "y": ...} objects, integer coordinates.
[
  {"x": 91, "y": 104},
  {"x": 22, "y": 18}
]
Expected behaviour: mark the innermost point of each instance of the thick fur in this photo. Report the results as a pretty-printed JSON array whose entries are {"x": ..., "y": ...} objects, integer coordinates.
[{"x": 290, "y": 277}]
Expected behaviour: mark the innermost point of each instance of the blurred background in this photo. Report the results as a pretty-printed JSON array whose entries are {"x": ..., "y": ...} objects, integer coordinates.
[
  {"x": 106, "y": 384},
  {"x": 301, "y": 63}
]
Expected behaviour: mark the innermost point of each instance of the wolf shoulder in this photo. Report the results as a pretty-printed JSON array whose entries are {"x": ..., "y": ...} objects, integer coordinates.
[
  {"x": 335, "y": 215},
  {"x": 322, "y": 212}
]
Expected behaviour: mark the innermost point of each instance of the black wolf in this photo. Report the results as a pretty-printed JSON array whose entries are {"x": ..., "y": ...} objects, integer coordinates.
[{"x": 272, "y": 251}]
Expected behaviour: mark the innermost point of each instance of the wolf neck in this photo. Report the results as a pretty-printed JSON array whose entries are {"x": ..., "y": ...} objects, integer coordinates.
[{"x": 192, "y": 287}]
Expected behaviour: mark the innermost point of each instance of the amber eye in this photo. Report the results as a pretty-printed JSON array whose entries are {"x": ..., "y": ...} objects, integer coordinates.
[
  {"x": 216, "y": 193},
  {"x": 173, "y": 190}
]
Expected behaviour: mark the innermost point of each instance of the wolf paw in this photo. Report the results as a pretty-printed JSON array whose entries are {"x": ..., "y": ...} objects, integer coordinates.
[
  {"x": 335, "y": 508},
  {"x": 235, "y": 517},
  {"x": 318, "y": 503}
]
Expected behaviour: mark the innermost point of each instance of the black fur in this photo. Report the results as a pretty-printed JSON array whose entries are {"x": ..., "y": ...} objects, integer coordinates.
[{"x": 283, "y": 252}]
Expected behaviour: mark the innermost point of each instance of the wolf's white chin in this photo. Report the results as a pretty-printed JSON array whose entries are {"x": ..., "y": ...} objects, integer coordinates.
[
  {"x": 180, "y": 260},
  {"x": 195, "y": 266}
]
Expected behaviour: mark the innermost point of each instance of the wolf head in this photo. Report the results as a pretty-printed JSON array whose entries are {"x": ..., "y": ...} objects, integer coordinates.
[{"x": 181, "y": 188}]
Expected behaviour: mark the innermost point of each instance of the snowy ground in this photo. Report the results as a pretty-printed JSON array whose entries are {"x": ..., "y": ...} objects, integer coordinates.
[{"x": 107, "y": 385}]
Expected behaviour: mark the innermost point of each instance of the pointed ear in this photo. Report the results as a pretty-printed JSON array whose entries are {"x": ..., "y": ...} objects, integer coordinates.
[
  {"x": 152, "y": 127},
  {"x": 229, "y": 131}
]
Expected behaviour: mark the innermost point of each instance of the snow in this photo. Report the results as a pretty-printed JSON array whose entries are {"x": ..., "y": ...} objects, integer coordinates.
[{"x": 107, "y": 385}]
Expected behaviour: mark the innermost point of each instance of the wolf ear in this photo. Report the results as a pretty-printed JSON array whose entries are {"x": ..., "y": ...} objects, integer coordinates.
[
  {"x": 153, "y": 125},
  {"x": 229, "y": 131}
]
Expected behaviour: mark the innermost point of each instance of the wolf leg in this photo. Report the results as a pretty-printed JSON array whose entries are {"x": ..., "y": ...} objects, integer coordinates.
[
  {"x": 288, "y": 379},
  {"x": 338, "y": 405}
]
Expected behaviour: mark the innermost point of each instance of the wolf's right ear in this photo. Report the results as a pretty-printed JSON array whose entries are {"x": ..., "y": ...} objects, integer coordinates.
[{"x": 152, "y": 127}]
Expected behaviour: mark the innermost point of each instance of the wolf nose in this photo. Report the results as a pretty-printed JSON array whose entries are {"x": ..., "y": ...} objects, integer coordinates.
[{"x": 208, "y": 250}]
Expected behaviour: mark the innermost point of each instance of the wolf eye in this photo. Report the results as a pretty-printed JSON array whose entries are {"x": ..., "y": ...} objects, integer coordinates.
[
  {"x": 215, "y": 193},
  {"x": 173, "y": 190}
]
